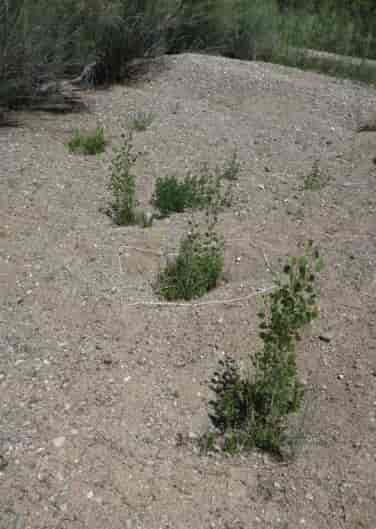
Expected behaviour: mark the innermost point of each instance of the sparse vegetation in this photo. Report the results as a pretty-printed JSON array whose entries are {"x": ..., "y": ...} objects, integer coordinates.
[
  {"x": 193, "y": 192},
  {"x": 141, "y": 120},
  {"x": 123, "y": 208},
  {"x": 231, "y": 169},
  {"x": 252, "y": 409},
  {"x": 90, "y": 143},
  {"x": 45, "y": 41},
  {"x": 198, "y": 266},
  {"x": 316, "y": 179}
]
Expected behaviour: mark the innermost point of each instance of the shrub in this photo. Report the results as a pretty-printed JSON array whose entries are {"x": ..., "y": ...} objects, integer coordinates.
[
  {"x": 194, "y": 192},
  {"x": 197, "y": 267},
  {"x": 91, "y": 143},
  {"x": 40, "y": 42},
  {"x": 252, "y": 410},
  {"x": 123, "y": 185},
  {"x": 197, "y": 25},
  {"x": 46, "y": 40},
  {"x": 253, "y": 30}
]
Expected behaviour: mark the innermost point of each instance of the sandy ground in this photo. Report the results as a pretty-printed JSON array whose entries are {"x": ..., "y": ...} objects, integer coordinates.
[{"x": 102, "y": 393}]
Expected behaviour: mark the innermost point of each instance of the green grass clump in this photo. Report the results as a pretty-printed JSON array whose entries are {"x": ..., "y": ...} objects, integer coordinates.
[
  {"x": 315, "y": 179},
  {"x": 252, "y": 411},
  {"x": 91, "y": 143},
  {"x": 141, "y": 120},
  {"x": 197, "y": 267},
  {"x": 231, "y": 169},
  {"x": 172, "y": 195}
]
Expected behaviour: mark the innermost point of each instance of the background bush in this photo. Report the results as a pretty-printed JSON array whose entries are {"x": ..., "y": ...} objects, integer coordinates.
[{"x": 46, "y": 40}]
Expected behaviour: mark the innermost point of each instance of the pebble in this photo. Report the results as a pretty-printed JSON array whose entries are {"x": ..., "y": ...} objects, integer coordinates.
[
  {"x": 59, "y": 441},
  {"x": 326, "y": 336}
]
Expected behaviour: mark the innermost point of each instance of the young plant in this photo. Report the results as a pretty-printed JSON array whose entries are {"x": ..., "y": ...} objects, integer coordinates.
[
  {"x": 253, "y": 411},
  {"x": 231, "y": 169},
  {"x": 140, "y": 120},
  {"x": 123, "y": 185},
  {"x": 315, "y": 179},
  {"x": 197, "y": 267},
  {"x": 91, "y": 143}
]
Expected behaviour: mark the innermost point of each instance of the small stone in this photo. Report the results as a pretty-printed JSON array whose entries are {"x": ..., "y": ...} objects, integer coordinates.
[
  {"x": 326, "y": 336},
  {"x": 90, "y": 495},
  {"x": 340, "y": 376},
  {"x": 107, "y": 360},
  {"x": 59, "y": 441},
  {"x": 309, "y": 496},
  {"x": 3, "y": 463}
]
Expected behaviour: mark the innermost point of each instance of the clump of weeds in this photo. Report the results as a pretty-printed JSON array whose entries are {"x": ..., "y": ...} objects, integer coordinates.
[{"x": 198, "y": 266}]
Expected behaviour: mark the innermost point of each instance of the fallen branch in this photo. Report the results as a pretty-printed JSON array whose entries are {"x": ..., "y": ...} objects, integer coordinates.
[{"x": 230, "y": 301}]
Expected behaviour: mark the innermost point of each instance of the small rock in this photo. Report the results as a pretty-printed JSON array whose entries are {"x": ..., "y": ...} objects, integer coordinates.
[
  {"x": 326, "y": 336},
  {"x": 340, "y": 376},
  {"x": 107, "y": 360},
  {"x": 59, "y": 441},
  {"x": 3, "y": 463}
]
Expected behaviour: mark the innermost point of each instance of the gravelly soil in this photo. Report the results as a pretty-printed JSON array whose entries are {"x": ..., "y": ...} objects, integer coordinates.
[{"x": 102, "y": 399}]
